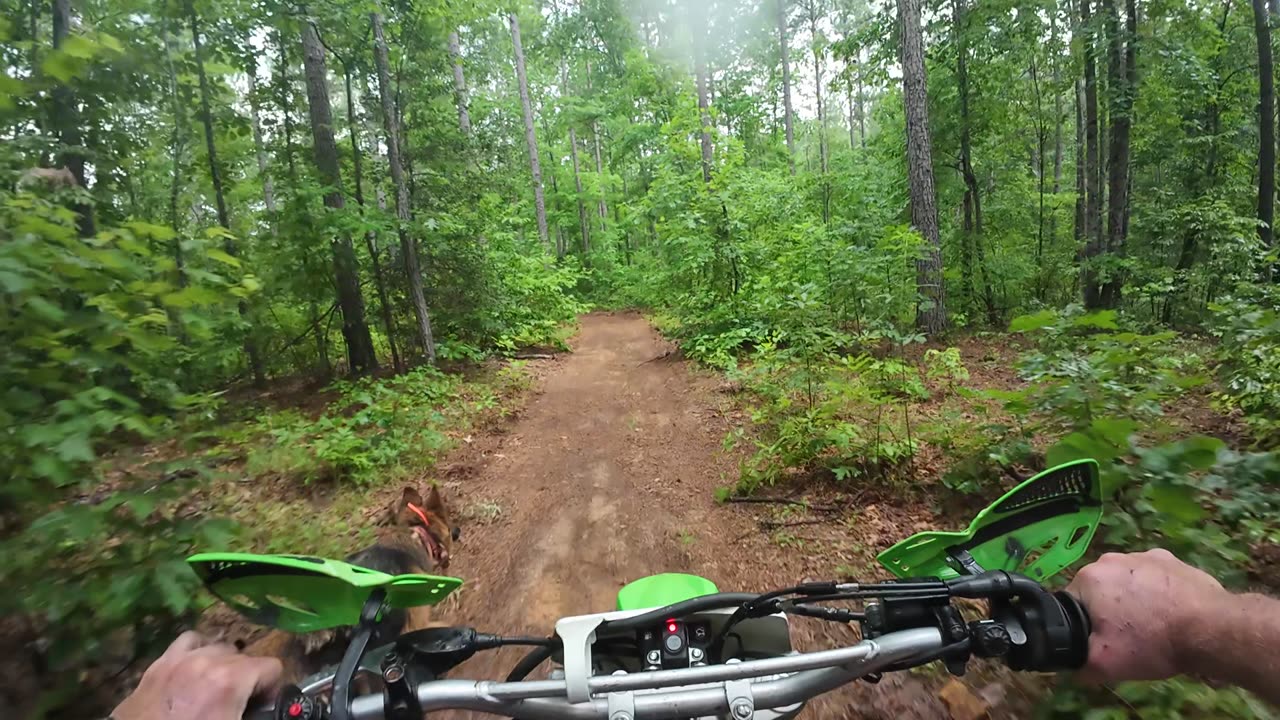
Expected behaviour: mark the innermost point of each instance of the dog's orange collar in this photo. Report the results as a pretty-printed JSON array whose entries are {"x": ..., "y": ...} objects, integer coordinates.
[
  {"x": 421, "y": 515},
  {"x": 434, "y": 549}
]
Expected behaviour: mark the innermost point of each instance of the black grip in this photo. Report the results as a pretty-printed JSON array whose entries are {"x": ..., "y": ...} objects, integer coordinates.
[{"x": 1056, "y": 627}]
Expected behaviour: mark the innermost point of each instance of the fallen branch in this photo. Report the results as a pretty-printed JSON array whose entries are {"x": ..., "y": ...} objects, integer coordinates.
[
  {"x": 776, "y": 524},
  {"x": 786, "y": 501},
  {"x": 534, "y": 356}
]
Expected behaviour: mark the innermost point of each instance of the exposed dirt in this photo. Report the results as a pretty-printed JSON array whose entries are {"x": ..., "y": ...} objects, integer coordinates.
[{"x": 608, "y": 475}]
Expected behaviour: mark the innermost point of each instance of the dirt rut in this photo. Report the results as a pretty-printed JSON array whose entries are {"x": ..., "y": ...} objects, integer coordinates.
[{"x": 608, "y": 475}]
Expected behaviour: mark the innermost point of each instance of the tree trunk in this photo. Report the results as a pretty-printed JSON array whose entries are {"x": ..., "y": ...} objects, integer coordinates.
[
  {"x": 459, "y": 84},
  {"x": 1093, "y": 247},
  {"x": 1122, "y": 82},
  {"x": 705, "y": 116},
  {"x": 531, "y": 140},
  {"x": 784, "y": 55},
  {"x": 66, "y": 121},
  {"x": 848, "y": 96},
  {"x": 284, "y": 100},
  {"x": 219, "y": 196},
  {"x": 862, "y": 107},
  {"x": 973, "y": 193},
  {"x": 931, "y": 316},
  {"x": 822, "y": 118},
  {"x": 584, "y": 224},
  {"x": 602, "y": 205},
  {"x": 408, "y": 246},
  {"x": 1081, "y": 230},
  {"x": 259, "y": 149},
  {"x": 177, "y": 145},
  {"x": 355, "y": 332},
  {"x": 370, "y": 237},
  {"x": 1266, "y": 132}
]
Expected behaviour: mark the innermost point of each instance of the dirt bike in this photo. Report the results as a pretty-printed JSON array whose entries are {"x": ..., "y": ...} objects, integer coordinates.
[{"x": 677, "y": 647}]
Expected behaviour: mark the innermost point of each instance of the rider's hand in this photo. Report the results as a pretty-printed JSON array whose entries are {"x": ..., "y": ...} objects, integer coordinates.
[
  {"x": 199, "y": 679},
  {"x": 1142, "y": 606}
]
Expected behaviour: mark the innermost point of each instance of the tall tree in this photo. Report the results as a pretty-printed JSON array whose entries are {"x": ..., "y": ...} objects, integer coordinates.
[
  {"x": 1122, "y": 79},
  {"x": 65, "y": 119},
  {"x": 784, "y": 57},
  {"x": 408, "y": 244},
  {"x": 814, "y": 11},
  {"x": 530, "y": 137},
  {"x": 704, "y": 116},
  {"x": 459, "y": 84},
  {"x": 259, "y": 147},
  {"x": 370, "y": 236},
  {"x": 584, "y": 225},
  {"x": 972, "y": 228},
  {"x": 256, "y": 365},
  {"x": 1266, "y": 128},
  {"x": 1092, "y": 226},
  {"x": 355, "y": 331},
  {"x": 931, "y": 314}
]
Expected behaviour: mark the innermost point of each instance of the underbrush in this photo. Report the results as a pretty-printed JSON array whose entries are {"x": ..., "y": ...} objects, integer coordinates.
[
  {"x": 824, "y": 404},
  {"x": 102, "y": 577}
]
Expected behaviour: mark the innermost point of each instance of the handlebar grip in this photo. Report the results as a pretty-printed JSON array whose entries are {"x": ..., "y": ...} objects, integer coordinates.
[{"x": 1056, "y": 628}]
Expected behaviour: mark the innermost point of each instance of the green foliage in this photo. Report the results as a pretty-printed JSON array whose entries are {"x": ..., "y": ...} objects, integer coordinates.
[
  {"x": 1177, "y": 699},
  {"x": 92, "y": 328},
  {"x": 1250, "y": 362},
  {"x": 1086, "y": 367},
  {"x": 373, "y": 427}
]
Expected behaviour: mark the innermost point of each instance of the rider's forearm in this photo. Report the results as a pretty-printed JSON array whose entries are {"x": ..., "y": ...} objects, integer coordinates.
[{"x": 1236, "y": 643}]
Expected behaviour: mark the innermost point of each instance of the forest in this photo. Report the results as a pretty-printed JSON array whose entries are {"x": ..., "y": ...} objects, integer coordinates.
[{"x": 309, "y": 244}]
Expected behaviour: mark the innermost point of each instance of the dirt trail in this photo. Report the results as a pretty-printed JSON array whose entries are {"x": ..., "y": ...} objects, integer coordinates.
[{"x": 606, "y": 476}]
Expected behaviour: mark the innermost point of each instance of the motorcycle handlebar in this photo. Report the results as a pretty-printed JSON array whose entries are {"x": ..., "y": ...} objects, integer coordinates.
[{"x": 1041, "y": 632}]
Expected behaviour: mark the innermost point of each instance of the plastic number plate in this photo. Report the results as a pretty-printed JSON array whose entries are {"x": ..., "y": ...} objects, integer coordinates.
[
  {"x": 302, "y": 594},
  {"x": 1037, "y": 529}
]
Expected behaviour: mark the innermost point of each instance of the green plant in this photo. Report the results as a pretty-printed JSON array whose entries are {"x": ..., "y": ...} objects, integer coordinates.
[{"x": 1249, "y": 362}]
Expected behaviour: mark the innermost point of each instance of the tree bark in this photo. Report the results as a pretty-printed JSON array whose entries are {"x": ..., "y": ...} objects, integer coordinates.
[
  {"x": 603, "y": 204},
  {"x": 1122, "y": 81},
  {"x": 259, "y": 148},
  {"x": 215, "y": 178},
  {"x": 784, "y": 55},
  {"x": 530, "y": 138},
  {"x": 704, "y": 116},
  {"x": 862, "y": 108},
  {"x": 848, "y": 96},
  {"x": 973, "y": 193},
  {"x": 177, "y": 145},
  {"x": 66, "y": 121},
  {"x": 370, "y": 237},
  {"x": 284, "y": 98},
  {"x": 355, "y": 331},
  {"x": 1093, "y": 174},
  {"x": 408, "y": 245},
  {"x": 931, "y": 316},
  {"x": 812, "y": 9},
  {"x": 1266, "y": 131},
  {"x": 459, "y": 84},
  {"x": 584, "y": 224}
]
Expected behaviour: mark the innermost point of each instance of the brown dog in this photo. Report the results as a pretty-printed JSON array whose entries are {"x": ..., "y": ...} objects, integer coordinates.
[{"x": 416, "y": 537}]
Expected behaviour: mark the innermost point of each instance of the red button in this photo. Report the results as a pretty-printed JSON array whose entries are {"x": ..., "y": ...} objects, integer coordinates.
[{"x": 295, "y": 710}]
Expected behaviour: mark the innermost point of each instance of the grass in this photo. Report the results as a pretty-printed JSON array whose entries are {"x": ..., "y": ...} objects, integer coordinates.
[{"x": 317, "y": 486}]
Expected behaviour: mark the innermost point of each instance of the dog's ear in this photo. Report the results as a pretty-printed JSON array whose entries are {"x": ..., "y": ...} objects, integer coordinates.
[
  {"x": 435, "y": 503},
  {"x": 400, "y": 506}
]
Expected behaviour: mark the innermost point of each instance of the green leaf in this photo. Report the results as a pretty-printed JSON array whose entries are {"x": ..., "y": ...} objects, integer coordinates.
[
  {"x": 1036, "y": 321},
  {"x": 1176, "y": 501},
  {"x": 222, "y": 257},
  {"x": 75, "y": 448},
  {"x": 1102, "y": 319},
  {"x": 1200, "y": 452}
]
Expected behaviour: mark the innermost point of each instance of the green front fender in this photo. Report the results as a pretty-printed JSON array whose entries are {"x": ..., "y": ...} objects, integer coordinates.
[{"x": 661, "y": 590}]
